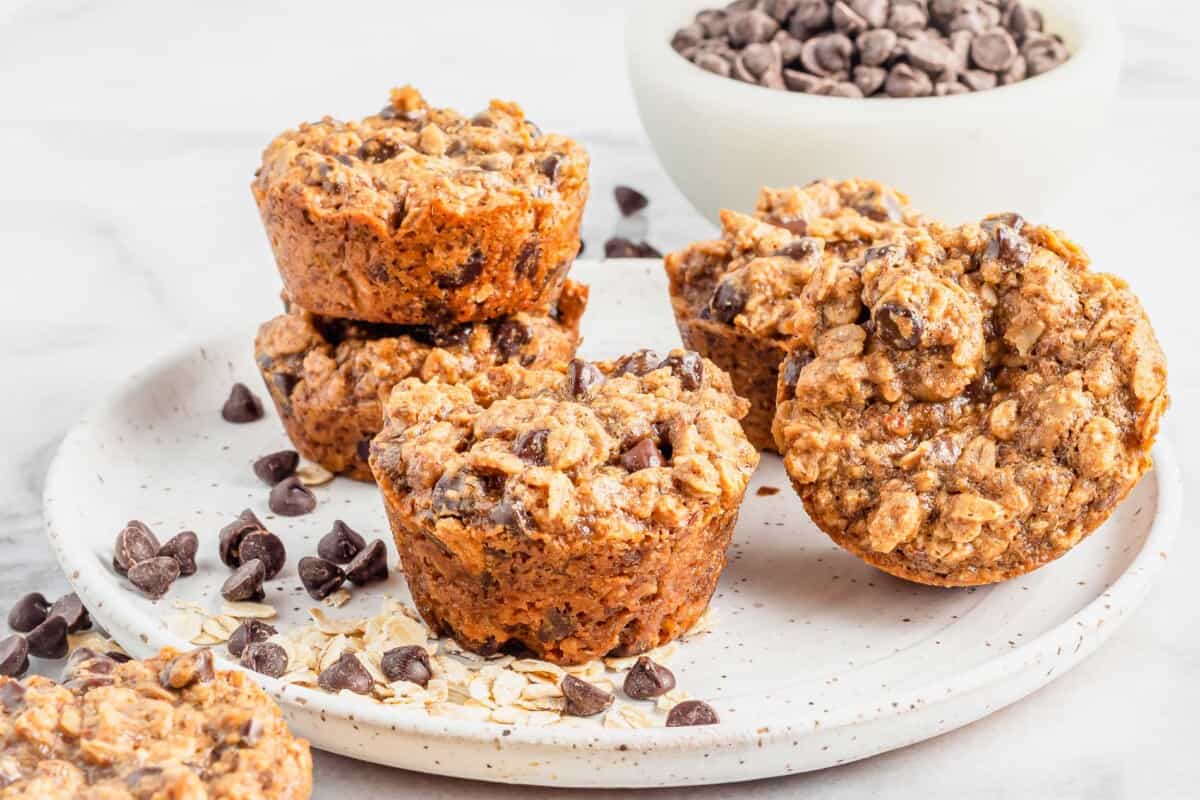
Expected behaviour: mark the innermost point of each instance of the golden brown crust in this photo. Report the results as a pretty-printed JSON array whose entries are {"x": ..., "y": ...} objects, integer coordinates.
[
  {"x": 419, "y": 215},
  {"x": 330, "y": 378},
  {"x": 169, "y": 726},
  {"x": 994, "y": 403},
  {"x": 571, "y": 522}
]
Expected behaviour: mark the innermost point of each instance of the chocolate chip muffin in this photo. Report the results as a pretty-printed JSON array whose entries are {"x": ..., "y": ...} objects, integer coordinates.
[
  {"x": 575, "y": 513},
  {"x": 170, "y": 726},
  {"x": 988, "y": 404},
  {"x": 419, "y": 215},
  {"x": 742, "y": 300},
  {"x": 329, "y": 378}
]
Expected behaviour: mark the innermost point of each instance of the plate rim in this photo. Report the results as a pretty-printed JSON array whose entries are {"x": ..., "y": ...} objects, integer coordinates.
[{"x": 1123, "y": 595}]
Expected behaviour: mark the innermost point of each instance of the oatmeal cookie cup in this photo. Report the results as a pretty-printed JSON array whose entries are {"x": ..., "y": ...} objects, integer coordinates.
[
  {"x": 737, "y": 299},
  {"x": 418, "y": 215},
  {"x": 992, "y": 405},
  {"x": 330, "y": 378},
  {"x": 575, "y": 513},
  {"x": 169, "y": 726}
]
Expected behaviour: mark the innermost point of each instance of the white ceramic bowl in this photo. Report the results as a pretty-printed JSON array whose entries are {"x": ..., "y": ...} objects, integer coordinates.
[{"x": 1008, "y": 149}]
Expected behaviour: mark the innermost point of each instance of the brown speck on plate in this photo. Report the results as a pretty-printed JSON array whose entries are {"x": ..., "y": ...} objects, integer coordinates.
[{"x": 767, "y": 491}]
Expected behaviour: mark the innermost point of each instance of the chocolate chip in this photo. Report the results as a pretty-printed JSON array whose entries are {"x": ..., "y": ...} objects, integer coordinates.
[
  {"x": 265, "y": 658},
  {"x": 869, "y": 80},
  {"x": 692, "y": 712},
  {"x": 583, "y": 699},
  {"x": 907, "y": 81},
  {"x": 637, "y": 363},
  {"x": 906, "y": 18},
  {"x": 267, "y": 548},
  {"x": 1023, "y": 20},
  {"x": 12, "y": 693},
  {"x": 1009, "y": 247},
  {"x": 618, "y": 247},
  {"x": 978, "y": 80},
  {"x": 182, "y": 547},
  {"x": 509, "y": 336},
  {"x": 466, "y": 273},
  {"x": 630, "y": 200},
  {"x": 451, "y": 496},
  {"x": 409, "y": 663},
  {"x": 1019, "y": 71},
  {"x": 285, "y": 382},
  {"x": 71, "y": 609},
  {"x": 251, "y": 631},
  {"x": 848, "y": 21},
  {"x": 187, "y": 669},
  {"x": 809, "y": 16},
  {"x": 84, "y": 659},
  {"x": 582, "y": 377},
  {"x": 875, "y": 47},
  {"x": 14, "y": 658},
  {"x": 341, "y": 544},
  {"x": 643, "y": 454},
  {"x": 711, "y": 62},
  {"x": 369, "y": 565},
  {"x": 246, "y": 582},
  {"x": 291, "y": 498},
  {"x": 898, "y": 327},
  {"x": 154, "y": 576},
  {"x": 931, "y": 57},
  {"x": 646, "y": 680},
  {"x": 229, "y": 540},
  {"x": 530, "y": 446},
  {"x": 549, "y": 166},
  {"x": 320, "y": 578},
  {"x": 49, "y": 640},
  {"x": 828, "y": 54},
  {"x": 751, "y": 26},
  {"x": 511, "y": 514},
  {"x": 1042, "y": 53},
  {"x": 347, "y": 673},
  {"x": 242, "y": 405},
  {"x": 1009, "y": 218},
  {"x": 28, "y": 612},
  {"x": 136, "y": 542},
  {"x": 688, "y": 367},
  {"x": 119, "y": 657},
  {"x": 945, "y": 89},
  {"x": 528, "y": 258},
  {"x": 727, "y": 302},
  {"x": 793, "y": 365},
  {"x": 994, "y": 50},
  {"x": 274, "y": 467},
  {"x": 378, "y": 150}
]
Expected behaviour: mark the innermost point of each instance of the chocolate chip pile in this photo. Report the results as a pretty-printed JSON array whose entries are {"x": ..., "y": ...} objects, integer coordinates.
[
  {"x": 872, "y": 48},
  {"x": 45, "y": 630}
]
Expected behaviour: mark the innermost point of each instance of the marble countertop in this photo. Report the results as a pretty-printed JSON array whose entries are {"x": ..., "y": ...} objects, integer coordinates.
[{"x": 130, "y": 130}]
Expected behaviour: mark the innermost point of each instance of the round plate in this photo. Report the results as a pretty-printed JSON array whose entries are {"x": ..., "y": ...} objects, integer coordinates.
[{"x": 816, "y": 659}]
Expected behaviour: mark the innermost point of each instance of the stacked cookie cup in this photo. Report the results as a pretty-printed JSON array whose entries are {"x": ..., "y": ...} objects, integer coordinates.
[
  {"x": 956, "y": 405},
  {"x": 415, "y": 242}
]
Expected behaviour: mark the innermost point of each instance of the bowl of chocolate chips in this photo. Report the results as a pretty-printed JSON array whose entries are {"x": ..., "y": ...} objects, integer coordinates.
[{"x": 939, "y": 96}]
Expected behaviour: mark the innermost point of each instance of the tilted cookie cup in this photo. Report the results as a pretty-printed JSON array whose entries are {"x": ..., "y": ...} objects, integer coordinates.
[
  {"x": 329, "y": 379},
  {"x": 570, "y": 515},
  {"x": 421, "y": 216}
]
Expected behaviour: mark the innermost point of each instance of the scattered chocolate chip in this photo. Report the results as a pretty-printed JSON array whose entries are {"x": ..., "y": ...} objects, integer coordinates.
[
  {"x": 727, "y": 302},
  {"x": 410, "y": 663},
  {"x": 369, "y": 565},
  {"x": 341, "y": 544},
  {"x": 251, "y": 631},
  {"x": 642, "y": 455},
  {"x": 182, "y": 547},
  {"x": 994, "y": 50},
  {"x": 509, "y": 336},
  {"x": 320, "y": 578},
  {"x": 154, "y": 576},
  {"x": 119, "y": 657},
  {"x": 242, "y": 406},
  {"x": 71, "y": 609},
  {"x": 639, "y": 362},
  {"x": 265, "y": 658},
  {"x": 347, "y": 673},
  {"x": 49, "y": 640},
  {"x": 229, "y": 540},
  {"x": 14, "y": 658},
  {"x": 274, "y": 467},
  {"x": 291, "y": 498},
  {"x": 136, "y": 542},
  {"x": 767, "y": 491},
  {"x": 28, "y": 612},
  {"x": 619, "y": 247},
  {"x": 246, "y": 582},
  {"x": 267, "y": 548},
  {"x": 898, "y": 327},
  {"x": 688, "y": 367},
  {"x": 582, "y": 377},
  {"x": 466, "y": 272},
  {"x": 692, "y": 712},
  {"x": 186, "y": 669},
  {"x": 85, "y": 659},
  {"x": 583, "y": 699},
  {"x": 646, "y": 680},
  {"x": 530, "y": 446},
  {"x": 629, "y": 200}
]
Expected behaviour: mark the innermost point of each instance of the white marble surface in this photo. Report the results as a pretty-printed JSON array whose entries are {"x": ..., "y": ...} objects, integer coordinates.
[{"x": 129, "y": 133}]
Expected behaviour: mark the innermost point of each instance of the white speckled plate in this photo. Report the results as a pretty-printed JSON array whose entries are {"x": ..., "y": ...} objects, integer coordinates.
[{"x": 816, "y": 659}]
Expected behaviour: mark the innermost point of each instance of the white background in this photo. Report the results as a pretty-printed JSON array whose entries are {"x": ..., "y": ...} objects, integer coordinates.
[{"x": 129, "y": 132}]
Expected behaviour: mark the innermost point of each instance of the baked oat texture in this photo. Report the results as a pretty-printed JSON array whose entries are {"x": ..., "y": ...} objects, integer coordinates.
[
  {"x": 330, "y": 378},
  {"x": 574, "y": 513},
  {"x": 420, "y": 215},
  {"x": 170, "y": 726},
  {"x": 981, "y": 403},
  {"x": 739, "y": 300}
]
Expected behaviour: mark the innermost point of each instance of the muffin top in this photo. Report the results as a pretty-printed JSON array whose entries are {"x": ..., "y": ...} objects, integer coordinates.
[
  {"x": 770, "y": 274},
  {"x": 336, "y": 362},
  {"x": 573, "y": 457},
  {"x": 988, "y": 401},
  {"x": 410, "y": 157}
]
